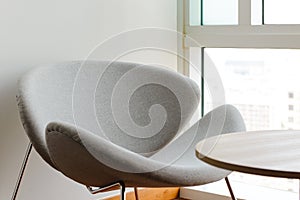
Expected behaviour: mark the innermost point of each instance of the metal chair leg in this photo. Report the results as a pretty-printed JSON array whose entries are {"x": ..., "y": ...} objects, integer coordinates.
[
  {"x": 136, "y": 193},
  {"x": 230, "y": 189},
  {"x": 114, "y": 186},
  {"x": 299, "y": 190},
  {"x": 21, "y": 173},
  {"x": 122, "y": 190}
]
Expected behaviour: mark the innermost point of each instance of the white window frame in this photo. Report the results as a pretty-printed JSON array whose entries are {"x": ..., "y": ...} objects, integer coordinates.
[{"x": 243, "y": 35}]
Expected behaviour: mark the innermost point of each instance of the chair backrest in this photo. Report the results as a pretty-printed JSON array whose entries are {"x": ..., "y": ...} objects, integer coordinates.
[{"x": 138, "y": 107}]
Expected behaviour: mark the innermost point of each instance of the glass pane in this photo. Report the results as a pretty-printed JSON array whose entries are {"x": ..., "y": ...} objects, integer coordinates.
[
  {"x": 264, "y": 85},
  {"x": 195, "y": 12},
  {"x": 282, "y": 12},
  {"x": 256, "y": 12},
  {"x": 268, "y": 84},
  {"x": 220, "y": 12}
]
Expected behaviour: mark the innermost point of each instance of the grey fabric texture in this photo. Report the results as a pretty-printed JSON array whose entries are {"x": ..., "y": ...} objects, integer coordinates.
[
  {"x": 99, "y": 122},
  {"x": 43, "y": 97},
  {"x": 146, "y": 87},
  {"x": 68, "y": 92},
  {"x": 175, "y": 165}
]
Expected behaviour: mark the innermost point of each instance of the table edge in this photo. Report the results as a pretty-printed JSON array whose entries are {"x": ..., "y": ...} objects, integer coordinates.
[{"x": 246, "y": 169}]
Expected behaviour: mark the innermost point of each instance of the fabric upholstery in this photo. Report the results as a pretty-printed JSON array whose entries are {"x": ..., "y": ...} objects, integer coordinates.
[
  {"x": 43, "y": 97},
  {"x": 68, "y": 92},
  {"x": 175, "y": 165},
  {"x": 99, "y": 122},
  {"x": 159, "y": 102}
]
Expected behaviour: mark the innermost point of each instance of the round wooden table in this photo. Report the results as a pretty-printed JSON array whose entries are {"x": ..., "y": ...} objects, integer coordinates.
[{"x": 269, "y": 153}]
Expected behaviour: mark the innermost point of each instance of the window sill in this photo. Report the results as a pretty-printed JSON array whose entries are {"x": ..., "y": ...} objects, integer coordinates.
[{"x": 241, "y": 191}]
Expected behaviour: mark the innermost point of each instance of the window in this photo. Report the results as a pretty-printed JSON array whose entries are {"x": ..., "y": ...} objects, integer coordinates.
[
  {"x": 255, "y": 47},
  {"x": 228, "y": 12},
  {"x": 282, "y": 12}
]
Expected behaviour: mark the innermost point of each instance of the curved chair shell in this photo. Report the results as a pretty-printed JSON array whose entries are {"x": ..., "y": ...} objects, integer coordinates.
[
  {"x": 68, "y": 91},
  {"x": 94, "y": 120},
  {"x": 112, "y": 162}
]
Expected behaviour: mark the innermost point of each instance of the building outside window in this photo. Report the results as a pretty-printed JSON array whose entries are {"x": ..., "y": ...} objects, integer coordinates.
[{"x": 255, "y": 47}]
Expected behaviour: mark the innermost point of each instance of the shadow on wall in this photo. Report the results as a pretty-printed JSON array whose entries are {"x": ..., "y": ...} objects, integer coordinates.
[{"x": 13, "y": 140}]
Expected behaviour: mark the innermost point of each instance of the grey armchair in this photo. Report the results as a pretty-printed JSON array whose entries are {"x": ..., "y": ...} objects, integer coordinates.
[{"x": 104, "y": 124}]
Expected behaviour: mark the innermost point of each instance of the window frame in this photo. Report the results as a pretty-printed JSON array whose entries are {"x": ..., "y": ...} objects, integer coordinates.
[{"x": 242, "y": 35}]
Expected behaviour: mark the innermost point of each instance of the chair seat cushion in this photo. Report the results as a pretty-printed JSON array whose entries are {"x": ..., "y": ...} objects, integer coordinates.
[{"x": 95, "y": 161}]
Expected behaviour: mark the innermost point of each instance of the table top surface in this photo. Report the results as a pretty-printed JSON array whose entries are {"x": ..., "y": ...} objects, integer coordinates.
[{"x": 270, "y": 153}]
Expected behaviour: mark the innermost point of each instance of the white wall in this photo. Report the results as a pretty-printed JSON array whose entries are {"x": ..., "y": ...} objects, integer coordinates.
[{"x": 33, "y": 32}]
